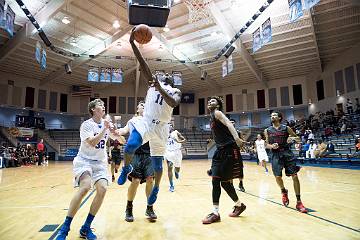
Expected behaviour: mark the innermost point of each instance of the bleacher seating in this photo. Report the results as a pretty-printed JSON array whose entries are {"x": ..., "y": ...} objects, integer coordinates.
[{"x": 68, "y": 139}]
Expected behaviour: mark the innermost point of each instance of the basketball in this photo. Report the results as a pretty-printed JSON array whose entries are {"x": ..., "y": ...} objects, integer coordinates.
[{"x": 142, "y": 34}]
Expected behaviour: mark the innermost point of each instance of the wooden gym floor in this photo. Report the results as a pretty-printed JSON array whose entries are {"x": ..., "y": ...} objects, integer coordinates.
[{"x": 33, "y": 202}]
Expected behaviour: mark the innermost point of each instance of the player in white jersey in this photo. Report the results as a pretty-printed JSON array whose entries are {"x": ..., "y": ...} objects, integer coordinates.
[
  {"x": 261, "y": 152},
  {"x": 160, "y": 100},
  {"x": 173, "y": 155},
  {"x": 90, "y": 167}
]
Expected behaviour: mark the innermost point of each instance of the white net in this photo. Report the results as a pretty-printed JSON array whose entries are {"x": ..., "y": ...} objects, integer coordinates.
[{"x": 199, "y": 12}]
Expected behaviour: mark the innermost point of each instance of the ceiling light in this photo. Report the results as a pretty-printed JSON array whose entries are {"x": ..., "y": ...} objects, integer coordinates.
[
  {"x": 214, "y": 34},
  {"x": 119, "y": 45},
  {"x": 177, "y": 1},
  {"x": 201, "y": 52},
  {"x": 66, "y": 20},
  {"x": 161, "y": 48},
  {"x": 116, "y": 24}
]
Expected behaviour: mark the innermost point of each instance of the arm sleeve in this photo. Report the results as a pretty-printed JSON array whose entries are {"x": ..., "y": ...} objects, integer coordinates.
[{"x": 85, "y": 131}]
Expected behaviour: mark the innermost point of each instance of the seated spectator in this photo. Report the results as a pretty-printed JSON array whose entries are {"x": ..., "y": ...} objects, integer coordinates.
[
  {"x": 321, "y": 148},
  {"x": 349, "y": 106},
  {"x": 328, "y": 132},
  {"x": 343, "y": 128},
  {"x": 357, "y": 106},
  {"x": 310, "y": 153},
  {"x": 330, "y": 148},
  {"x": 357, "y": 148},
  {"x": 305, "y": 148},
  {"x": 311, "y": 135}
]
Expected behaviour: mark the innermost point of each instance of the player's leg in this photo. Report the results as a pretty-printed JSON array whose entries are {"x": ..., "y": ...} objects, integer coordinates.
[
  {"x": 157, "y": 151},
  {"x": 100, "y": 178},
  {"x": 230, "y": 190},
  {"x": 134, "y": 142},
  {"x": 214, "y": 216},
  {"x": 177, "y": 163},
  {"x": 129, "y": 217},
  {"x": 277, "y": 167},
  {"x": 291, "y": 170},
  {"x": 170, "y": 166},
  {"x": 112, "y": 168},
  {"x": 84, "y": 182},
  {"x": 148, "y": 172}
]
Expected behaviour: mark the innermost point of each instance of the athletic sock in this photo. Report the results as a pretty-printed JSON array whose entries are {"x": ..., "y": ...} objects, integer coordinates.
[
  {"x": 298, "y": 198},
  {"x": 216, "y": 210},
  {"x": 89, "y": 220}
]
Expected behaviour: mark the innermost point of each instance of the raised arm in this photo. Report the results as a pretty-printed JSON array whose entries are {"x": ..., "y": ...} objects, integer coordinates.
[
  {"x": 171, "y": 100},
  {"x": 143, "y": 64}
]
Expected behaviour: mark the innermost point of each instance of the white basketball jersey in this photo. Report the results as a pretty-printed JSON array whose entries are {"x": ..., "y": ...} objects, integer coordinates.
[
  {"x": 155, "y": 105},
  {"x": 172, "y": 145},
  {"x": 260, "y": 145},
  {"x": 90, "y": 128}
]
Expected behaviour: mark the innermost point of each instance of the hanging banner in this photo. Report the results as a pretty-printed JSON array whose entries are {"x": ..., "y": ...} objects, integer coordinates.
[
  {"x": 7, "y": 18},
  {"x": 38, "y": 52},
  {"x": 177, "y": 76},
  {"x": 256, "y": 40},
  {"x": 93, "y": 74},
  {"x": 266, "y": 31},
  {"x": 43, "y": 60},
  {"x": 295, "y": 9},
  {"x": 310, "y": 3},
  {"x": 224, "y": 69},
  {"x": 105, "y": 75},
  {"x": 117, "y": 75},
  {"x": 230, "y": 66}
]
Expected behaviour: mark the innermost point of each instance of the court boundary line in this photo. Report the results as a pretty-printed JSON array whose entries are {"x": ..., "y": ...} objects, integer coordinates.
[
  {"x": 309, "y": 214},
  {"x": 83, "y": 202}
]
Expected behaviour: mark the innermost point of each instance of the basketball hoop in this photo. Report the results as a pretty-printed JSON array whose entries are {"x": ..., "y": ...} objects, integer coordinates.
[{"x": 199, "y": 12}]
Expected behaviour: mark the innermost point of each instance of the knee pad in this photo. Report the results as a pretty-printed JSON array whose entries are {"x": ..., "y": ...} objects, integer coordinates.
[
  {"x": 134, "y": 142},
  {"x": 157, "y": 163}
]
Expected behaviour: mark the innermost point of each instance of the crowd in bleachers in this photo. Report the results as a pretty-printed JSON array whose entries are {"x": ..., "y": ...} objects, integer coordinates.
[
  {"x": 329, "y": 134},
  {"x": 22, "y": 155}
]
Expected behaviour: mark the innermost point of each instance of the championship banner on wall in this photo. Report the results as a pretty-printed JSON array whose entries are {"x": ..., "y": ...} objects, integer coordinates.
[
  {"x": 295, "y": 9},
  {"x": 310, "y": 3},
  {"x": 224, "y": 69},
  {"x": 21, "y": 132},
  {"x": 256, "y": 40},
  {"x": 266, "y": 31},
  {"x": 230, "y": 65},
  {"x": 7, "y": 18}
]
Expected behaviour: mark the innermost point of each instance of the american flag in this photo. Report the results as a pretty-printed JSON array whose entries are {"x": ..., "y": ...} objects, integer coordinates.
[{"x": 81, "y": 91}]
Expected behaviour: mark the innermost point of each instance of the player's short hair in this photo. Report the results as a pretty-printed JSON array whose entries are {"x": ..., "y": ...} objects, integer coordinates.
[
  {"x": 93, "y": 104},
  {"x": 220, "y": 102},
  {"x": 279, "y": 115}
]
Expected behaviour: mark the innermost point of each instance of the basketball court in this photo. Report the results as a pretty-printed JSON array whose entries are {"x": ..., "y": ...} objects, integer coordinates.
[
  {"x": 34, "y": 201},
  {"x": 299, "y": 57}
]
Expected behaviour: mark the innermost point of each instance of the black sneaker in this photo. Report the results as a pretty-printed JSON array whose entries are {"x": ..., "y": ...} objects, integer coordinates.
[
  {"x": 150, "y": 214},
  {"x": 241, "y": 187},
  {"x": 129, "y": 214}
]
